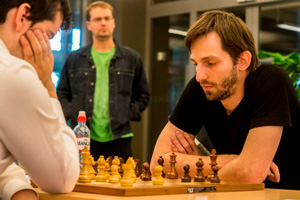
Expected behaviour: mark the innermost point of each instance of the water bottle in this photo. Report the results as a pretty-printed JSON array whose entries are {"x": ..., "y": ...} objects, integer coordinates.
[{"x": 82, "y": 133}]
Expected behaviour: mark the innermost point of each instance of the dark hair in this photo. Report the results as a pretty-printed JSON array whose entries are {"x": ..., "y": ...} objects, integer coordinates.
[
  {"x": 95, "y": 4},
  {"x": 234, "y": 33},
  {"x": 40, "y": 10}
]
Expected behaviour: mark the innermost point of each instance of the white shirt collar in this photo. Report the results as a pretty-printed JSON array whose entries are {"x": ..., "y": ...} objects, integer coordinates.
[{"x": 3, "y": 48}]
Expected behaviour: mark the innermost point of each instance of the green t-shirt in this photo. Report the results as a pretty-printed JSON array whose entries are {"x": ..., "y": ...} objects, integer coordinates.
[{"x": 100, "y": 129}]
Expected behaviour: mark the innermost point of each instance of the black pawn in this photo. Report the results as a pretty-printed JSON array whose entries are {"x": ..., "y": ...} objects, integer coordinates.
[
  {"x": 186, "y": 177},
  {"x": 146, "y": 175},
  {"x": 121, "y": 166},
  {"x": 137, "y": 168},
  {"x": 199, "y": 177},
  {"x": 160, "y": 161}
]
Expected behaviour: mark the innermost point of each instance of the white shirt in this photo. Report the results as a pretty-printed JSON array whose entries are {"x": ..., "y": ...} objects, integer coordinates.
[{"x": 33, "y": 131}]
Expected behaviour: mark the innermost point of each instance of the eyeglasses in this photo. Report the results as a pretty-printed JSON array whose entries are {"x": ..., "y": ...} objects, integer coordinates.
[{"x": 99, "y": 19}]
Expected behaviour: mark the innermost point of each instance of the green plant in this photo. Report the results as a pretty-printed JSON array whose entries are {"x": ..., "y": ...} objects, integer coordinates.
[{"x": 290, "y": 63}]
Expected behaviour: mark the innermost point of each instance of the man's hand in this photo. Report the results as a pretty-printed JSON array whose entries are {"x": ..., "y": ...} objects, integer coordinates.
[
  {"x": 37, "y": 51},
  {"x": 273, "y": 174},
  {"x": 25, "y": 194},
  {"x": 184, "y": 143}
]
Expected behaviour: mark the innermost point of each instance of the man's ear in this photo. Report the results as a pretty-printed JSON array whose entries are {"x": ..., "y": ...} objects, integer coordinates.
[
  {"x": 88, "y": 25},
  {"x": 244, "y": 60},
  {"x": 21, "y": 17}
]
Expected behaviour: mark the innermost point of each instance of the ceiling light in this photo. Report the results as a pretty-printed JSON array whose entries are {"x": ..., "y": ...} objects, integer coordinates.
[
  {"x": 177, "y": 32},
  {"x": 289, "y": 27}
]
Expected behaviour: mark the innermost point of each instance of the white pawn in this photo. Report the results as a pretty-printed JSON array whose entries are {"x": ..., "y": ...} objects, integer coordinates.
[
  {"x": 101, "y": 170},
  {"x": 107, "y": 169},
  {"x": 158, "y": 179},
  {"x": 114, "y": 178}
]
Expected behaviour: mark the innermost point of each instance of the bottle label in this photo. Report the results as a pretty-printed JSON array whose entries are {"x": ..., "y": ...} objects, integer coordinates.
[{"x": 83, "y": 141}]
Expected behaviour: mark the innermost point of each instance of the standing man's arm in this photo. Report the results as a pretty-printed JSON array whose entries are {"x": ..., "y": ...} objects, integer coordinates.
[{"x": 140, "y": 92}]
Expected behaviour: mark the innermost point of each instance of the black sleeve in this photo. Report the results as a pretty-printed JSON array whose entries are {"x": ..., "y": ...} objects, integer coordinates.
[
  {"x": 187, "y": 114},
  {"x": 64, "y": 90},
  {"x": 140, "y": 91},
  {"x": 272, "y": 97}
]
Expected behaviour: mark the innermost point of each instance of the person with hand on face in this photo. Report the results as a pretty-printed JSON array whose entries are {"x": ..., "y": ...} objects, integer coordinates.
[
  {"x": 108, "y": 82},
  {"x": 32, "y": 126},
  {"x": 249, "y": 110}
]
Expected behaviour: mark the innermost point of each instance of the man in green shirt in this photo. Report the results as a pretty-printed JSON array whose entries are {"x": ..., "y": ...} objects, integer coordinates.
[{"x": 106, "y": 80}]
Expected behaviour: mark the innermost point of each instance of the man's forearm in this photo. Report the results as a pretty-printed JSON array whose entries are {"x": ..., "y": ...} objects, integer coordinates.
[{"x": 25, "y": 194}]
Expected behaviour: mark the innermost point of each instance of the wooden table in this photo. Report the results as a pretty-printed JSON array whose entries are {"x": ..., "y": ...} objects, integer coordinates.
[{"x": 266, "y": 194}]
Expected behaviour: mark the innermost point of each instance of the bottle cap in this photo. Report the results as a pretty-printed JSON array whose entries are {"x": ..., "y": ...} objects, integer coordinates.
[{"x": 81, "y": 117}]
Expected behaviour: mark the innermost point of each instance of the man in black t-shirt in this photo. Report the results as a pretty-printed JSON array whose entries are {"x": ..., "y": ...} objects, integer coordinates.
[{"x": 249, "y": 110}]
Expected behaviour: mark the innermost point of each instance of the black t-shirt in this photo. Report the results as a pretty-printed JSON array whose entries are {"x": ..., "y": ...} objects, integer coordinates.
[{"x": 270, "y": 100}]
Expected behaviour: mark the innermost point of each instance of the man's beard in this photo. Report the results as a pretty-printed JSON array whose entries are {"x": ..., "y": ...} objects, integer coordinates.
[{"x": 227, "y": 87}]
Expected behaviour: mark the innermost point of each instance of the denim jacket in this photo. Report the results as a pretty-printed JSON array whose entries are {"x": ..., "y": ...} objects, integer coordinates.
[{"x": 128, "y": 88}]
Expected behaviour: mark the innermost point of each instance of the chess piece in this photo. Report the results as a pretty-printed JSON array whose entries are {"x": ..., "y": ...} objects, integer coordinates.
[
  {"x": 186, "y": 177},
  {"x": 106, "y": 170},
  {"x": 158, "y": 179},
  {"x": 137, "y": 168},
  {"x": 109, "y": 160},
  {"x": 161, "y": 161},
  {"x": 101, "y": 170},
  {"x": 131, "y": 162},
  {"x": 114, "y": 178},
  {"x": 116, "y": 162},
  {"x": 91, "y": 168},
  {"x": 211, "y": 173},
  {"x": 209, "y": 176},
  {"x": 84, "y": 176},
  {"x": 199, "y": 176},
  {"x": 146, "y": 175},
  {"x": 121, "y": 164},
  {"x": 95, "y": 166},
  {"x": 126, "y": 180},
  {"x": 213, "y": 176},
  {"x": 172, "y": 173}
]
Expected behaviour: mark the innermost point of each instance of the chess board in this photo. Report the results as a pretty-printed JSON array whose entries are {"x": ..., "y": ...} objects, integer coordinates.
[{"x": 171, "y": 186}]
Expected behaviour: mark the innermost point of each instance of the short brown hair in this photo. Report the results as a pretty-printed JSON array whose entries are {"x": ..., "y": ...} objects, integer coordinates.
[
  {"x": 100, "y": 4},
  {"x": 234, "y": 33}
]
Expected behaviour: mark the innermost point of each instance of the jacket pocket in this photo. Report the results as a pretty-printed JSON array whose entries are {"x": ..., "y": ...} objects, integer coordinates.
[
  {"x": 78, "y": 81},
  {"x": 125, "y": 81}
]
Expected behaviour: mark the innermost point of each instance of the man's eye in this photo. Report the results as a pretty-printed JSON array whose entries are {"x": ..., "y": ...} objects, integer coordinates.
[{"x": 210, "y": 63}]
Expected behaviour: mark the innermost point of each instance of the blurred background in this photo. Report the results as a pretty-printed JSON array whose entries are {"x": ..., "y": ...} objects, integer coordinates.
[{"x": 156, "y": 29}]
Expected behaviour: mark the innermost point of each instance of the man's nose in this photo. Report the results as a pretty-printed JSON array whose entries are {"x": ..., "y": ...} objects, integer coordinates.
[{"x": 201, "y": 73}]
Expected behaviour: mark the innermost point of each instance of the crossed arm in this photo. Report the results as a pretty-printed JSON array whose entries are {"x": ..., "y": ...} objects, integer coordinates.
[{"x": 252, "y": 165}]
